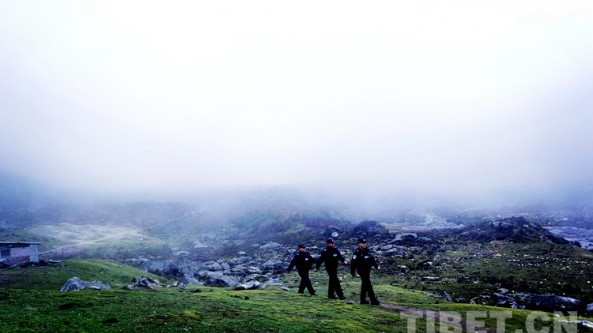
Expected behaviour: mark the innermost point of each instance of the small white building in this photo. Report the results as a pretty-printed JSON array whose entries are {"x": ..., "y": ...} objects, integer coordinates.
[{"x": 14, "y": 253}]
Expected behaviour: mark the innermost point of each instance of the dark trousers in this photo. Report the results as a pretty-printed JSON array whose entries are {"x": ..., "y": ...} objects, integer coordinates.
[
  {"x": 366, "y": 287},
  {"x": 305, "y": 283},
  {"x": 334, "y": 286}
]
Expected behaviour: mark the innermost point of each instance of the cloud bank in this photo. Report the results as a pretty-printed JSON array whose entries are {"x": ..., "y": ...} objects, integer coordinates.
[{"x": 458, "y": 99}]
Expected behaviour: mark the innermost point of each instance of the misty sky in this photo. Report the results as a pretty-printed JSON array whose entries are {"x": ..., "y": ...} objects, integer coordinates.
[{"x": 447, "y": 97}]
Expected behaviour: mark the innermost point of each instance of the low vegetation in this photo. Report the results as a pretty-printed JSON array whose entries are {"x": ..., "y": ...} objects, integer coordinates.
[
  {"x": 468, "y": 270},
  {"x": 32, "y": 302}
]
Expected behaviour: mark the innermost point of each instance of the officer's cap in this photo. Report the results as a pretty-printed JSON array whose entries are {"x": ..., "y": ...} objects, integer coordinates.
[
  {"x": 301, "y": 246},
  {"x": 330, "y": 241},
  {"x": 362, "y": 240}
]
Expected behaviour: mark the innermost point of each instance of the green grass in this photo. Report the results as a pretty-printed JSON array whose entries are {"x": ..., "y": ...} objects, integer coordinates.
[
  {"x": 36, "y": 306},
  {"x": 53, "y": 277},
  {"x": 172, "y": 310},
  {"x": 351, "y": 287},
  {"x": 213, "y": 310}
]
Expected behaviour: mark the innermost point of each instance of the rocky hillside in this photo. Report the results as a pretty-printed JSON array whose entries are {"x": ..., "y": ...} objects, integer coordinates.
[
  {"x": 505, "y": 262},
  {"x": 512, "y": 229}
]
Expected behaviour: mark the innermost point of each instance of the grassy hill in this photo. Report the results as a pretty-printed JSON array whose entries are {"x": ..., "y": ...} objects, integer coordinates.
[
  {"x": 31, "y": 302},
  {"x": 54, "y": 276}
]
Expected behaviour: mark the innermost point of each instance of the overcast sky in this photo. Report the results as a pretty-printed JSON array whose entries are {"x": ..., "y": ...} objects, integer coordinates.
[{"x": 450, "y": 97}]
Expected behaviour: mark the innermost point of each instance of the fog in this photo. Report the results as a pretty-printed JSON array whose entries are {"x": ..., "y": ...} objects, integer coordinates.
[{"x": 463, "y": 100}]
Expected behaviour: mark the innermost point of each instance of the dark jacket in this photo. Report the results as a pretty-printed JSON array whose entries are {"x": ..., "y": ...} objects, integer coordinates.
[
  {"x": 303, "y": 262},
  {"x": 363, "y": 261},
  {"x": 332, "y": 257}
]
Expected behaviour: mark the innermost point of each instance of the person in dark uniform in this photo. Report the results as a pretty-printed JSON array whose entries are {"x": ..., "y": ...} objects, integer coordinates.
[
  {"x": 363, "y": 261},
  {"x": 332, "y": 257},
  {"x": 303, "y": 262}
]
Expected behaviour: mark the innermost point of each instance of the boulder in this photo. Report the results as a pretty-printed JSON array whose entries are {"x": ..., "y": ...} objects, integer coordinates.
[
  {"x": 251, "y": 285},
  {"x": 217, "y": 279},
  {"x": 239, "y": 270},
  {"x": 240, "y": 260},
  {"x": 506, "y": 301},
  {"x": 275, "y": 282},
  {"x": 194, "y": 282},
  {"x": 254, "y": 270},
  {"x": 275, "y": 266},
  {"x": 204, "y": 274},
  {"x": 188, "y": 270},
  {"x": 144, "y": 282},
  {"x": 225, "y": 266},
  {"x": 255, "y": 277},
  {"x": 162, "y": 267},
  {"x": 272, "y": 247},
  {"x": 76, "y": 284},
  {"x": 553, "y": 303},
  {"x": 445, "y": 296},
  {"x": 405, "y": 235},
  {"x": 180, "y": 285},
  {"x": 212, "y": 266}
]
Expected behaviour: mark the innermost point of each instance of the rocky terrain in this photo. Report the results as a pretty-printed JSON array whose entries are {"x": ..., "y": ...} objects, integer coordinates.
[{"x": 508, "y": 262}]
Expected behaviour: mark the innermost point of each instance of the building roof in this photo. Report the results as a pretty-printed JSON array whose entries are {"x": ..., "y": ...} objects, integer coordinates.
[{"x": 18, "y": 243}]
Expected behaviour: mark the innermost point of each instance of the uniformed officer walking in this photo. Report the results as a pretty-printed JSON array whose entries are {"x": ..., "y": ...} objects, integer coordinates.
[
  {"x": 332, "y": 257},
  {"x": 303, "y": 262},
  {"x": 363, "y": 261}
]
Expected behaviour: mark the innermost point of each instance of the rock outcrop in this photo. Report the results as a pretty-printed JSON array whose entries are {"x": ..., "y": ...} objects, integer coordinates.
[{"x": 76, "y": 284}]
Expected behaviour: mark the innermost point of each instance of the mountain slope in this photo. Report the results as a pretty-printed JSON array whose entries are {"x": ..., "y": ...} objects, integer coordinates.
[{"x": 219, "y": 309}]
